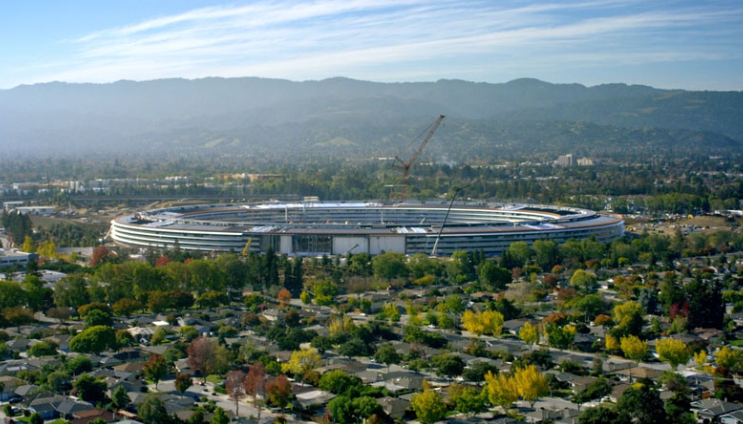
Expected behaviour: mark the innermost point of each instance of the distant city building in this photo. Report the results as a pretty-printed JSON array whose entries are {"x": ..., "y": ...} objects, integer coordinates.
[
  {"x": 565, "y": 160},
  {"x": 9, "y": 206},
  {"x": 35, "y": 210},
  {"x": 585, "y": 162},
  {"x": 14, "y": 258}
]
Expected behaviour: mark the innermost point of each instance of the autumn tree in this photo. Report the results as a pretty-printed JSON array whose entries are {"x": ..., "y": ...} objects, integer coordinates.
[
  {"x": 502, "y": 390},
  {"x": 529, "y": 334},
  {"x": 428, "y": 406},
  {"x": 255, "y": 384},
  {"x": 126, "y": 306},
  {"x": 235, "y": 388},
  {"x": 284, "y": 297},
  {"x": 183, "y": 382},
  {"x": 633, "y": 348},
  {"x": 673, "y": 351},
  {"x": 156, "y": 368},
  {"x": 530, "y": 384},
  {"x": 302, "y": 361},
  {"x": 201, "y": 355},
  {"x": 279, "y": 391},
  {"x": 485, "y": 322}
]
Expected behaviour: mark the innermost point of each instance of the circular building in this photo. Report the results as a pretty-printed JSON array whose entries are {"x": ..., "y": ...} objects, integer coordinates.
[{"x": 337, "y": 228}]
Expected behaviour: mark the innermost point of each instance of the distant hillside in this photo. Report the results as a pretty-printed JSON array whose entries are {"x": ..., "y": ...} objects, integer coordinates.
[{"x": 350, "y": 115}]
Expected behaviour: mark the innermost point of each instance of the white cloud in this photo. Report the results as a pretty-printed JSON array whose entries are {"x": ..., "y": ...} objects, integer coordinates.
[{"x": 409, "y": 38}]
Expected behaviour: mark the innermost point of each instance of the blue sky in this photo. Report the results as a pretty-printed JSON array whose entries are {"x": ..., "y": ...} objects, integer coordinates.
[{"x": 667, "y": 44}]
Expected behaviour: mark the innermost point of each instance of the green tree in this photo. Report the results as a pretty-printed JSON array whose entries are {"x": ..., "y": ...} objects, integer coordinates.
[
  {"x": 584, "y": 281},
  {"x": 152, "y": 410},
  {"x": 390, "y": 265},
  {"x": 220, "y": 417},
  {"x": 94, "y": 340},
  {"x": 598, "y": 415},
  {"x": 120, "y": 398},
  {"x": 449, "y": 365},
  {"x": 35, "y": 418},
  {"x": 641, "y": 405},
  {"x": 386, "y": 354},
  {"x": 428, "y": 406},
  {"x": 494, "y": 277},
  {"x": 71, "y": 291},
  {"x": 90, "y": 389},
  {"x": 520, "y": 252}
]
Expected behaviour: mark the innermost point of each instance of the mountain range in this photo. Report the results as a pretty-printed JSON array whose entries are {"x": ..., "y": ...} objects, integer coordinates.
[{"x": 360, "y": 117}]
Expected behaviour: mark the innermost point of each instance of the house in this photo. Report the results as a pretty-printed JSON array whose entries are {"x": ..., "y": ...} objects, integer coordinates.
[
  {"x": 581, "y": 383},
  {"x": 47, "y": 406},
  {"x": 735, "y": 417},
  {"x": 394, "y": 407},
  {"x": 712, "y": 409},
  {"x": 513, "y": 326}
]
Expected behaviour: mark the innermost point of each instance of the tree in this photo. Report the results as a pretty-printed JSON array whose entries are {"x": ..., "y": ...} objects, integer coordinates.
[
  {"x": 100, "y": 255},
  {"x": 302, "y": 361},
  {"x": 235, "y": 389},
  {"x": 486, "y": 322},
  {"x": 279, "y": 390},
  {"x": 212, "y": 299},
  {"x": 201, "y": 355},
  {"x": 152, "y": 410},
  {"x": 502, "y": 390},
  {"x": 641, "y": 405},
  {"x": 255, "y": 384},
  {"x": 673, "y": 351},
  {"x": 493, "y": 276},
  {"x": 155, "y": 368},
  {"x": 364, "y": 407},
  {"x": 628, "y": 318},
  {"x": 341, "y": 410},
  {"x": 633, "y": 348},
  {"x": 119, "y": 398},
  {"x": 79, "y": 365},
  {"x": 428, "y": 406},
  {"x": 386, "y": 354},
  {"x": 90, "y": 389},
  {"x": 530, "y": 384},
  {"x": 547, "y": 253},
  {"x": 284, "y": 297},
  {"x": 94, "y": 340},
  {"x": 43, "y": 348},
  {"x": 560, "y": 337},
  {"x": 448, "y": 365},
  {"x": 390, "y": 265},
  {"x": 11, "y": 294},
  {"x": 97, "y": 317},
  {"x": 597, "y": 415},
  {"x": 71, "y": 291},
  {"x": 584, "y": 281},
  {"x": 126, "y": 306},
  {"x": 529, "y": 334},
  {"x": 35, "y": 418},
  {"x": 519, "y": 252},
  {"x": 467, "y": 400},
  {"x": 338, "y": 381},
  {"x": 220, "y": 417},
  {"x": 183, "y": 382}
]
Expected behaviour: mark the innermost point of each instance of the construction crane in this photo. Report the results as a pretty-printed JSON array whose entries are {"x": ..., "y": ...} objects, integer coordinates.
[
  {"x": 405, "y": 166},
  {"x": 247, "y": 247}
]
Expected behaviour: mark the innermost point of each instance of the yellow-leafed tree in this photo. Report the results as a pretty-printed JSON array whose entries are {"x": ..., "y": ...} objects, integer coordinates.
[
  {"x": 486, "y": 322},
  {"x": 530, "y": 383},
  {"x": 611, "y": 343},
  {"x": 633, "y": 348},
  {"x": 341, "y": 325},
  {"x": 700, "y": 357},
  {"x": 302, "y": 361},
  {"x": 502, "y": 390},
  {"x": 529, "y": 334},
  {"x": 673, "y": 351}
]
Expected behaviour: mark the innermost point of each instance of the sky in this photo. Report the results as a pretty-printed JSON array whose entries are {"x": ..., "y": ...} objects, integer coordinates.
[{"x": 696, "y": 45}]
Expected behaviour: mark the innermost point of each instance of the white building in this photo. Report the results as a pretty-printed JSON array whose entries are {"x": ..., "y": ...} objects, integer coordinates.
[{"x": 14, "y": 258}]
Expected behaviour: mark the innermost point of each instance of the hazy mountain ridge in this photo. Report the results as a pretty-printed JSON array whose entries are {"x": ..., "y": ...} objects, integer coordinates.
[{"x": 264, "y": 114}]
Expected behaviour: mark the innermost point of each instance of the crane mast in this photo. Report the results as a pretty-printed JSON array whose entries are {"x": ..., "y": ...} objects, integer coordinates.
[{"x": 405, "y": 166}]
